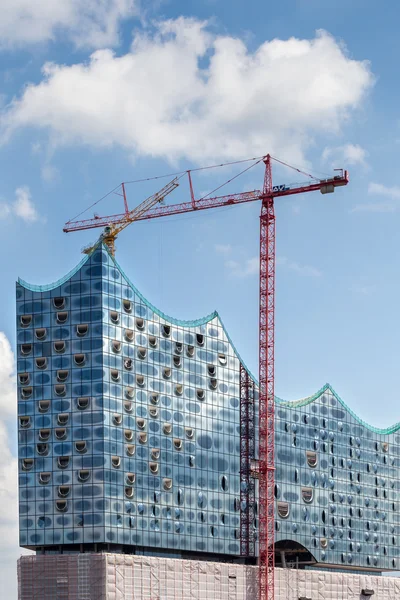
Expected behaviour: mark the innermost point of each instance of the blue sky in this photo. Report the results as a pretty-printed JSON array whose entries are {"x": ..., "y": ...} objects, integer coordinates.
[{"x": 95, "y": 93}]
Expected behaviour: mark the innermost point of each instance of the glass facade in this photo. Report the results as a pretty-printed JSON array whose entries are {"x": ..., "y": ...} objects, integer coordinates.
[
  {"x": 128, "y": 421},
  {"x": 129, "y": 435}
]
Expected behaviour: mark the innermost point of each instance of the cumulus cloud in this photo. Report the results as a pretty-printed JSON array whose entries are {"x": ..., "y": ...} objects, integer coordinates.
[
  {"x": 391, "y": 202},
  {"x": 9, "y": 550},
  {"x": 183, "y": 92},
  {"x": 243, "y": 269},
  {"x": 346, "y": 155},
  {"x": 88, "y": 23},
  {"x": 22, "y": 207},
  {"x": 303, "y": 270}
]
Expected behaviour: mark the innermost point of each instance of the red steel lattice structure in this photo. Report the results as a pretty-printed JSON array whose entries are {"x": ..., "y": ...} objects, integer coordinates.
[{"x": 266, "y": 329}]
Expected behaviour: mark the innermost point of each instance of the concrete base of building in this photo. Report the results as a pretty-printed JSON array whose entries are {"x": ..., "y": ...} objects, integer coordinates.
[{"x": 127, "y": 577}]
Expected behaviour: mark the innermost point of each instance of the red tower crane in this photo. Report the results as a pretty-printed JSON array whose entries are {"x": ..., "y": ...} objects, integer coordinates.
[{"x": 266, "y": 464}]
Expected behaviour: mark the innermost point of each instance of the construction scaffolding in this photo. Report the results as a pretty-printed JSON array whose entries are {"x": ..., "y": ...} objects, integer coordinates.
[{"x": 128, "y": 577}]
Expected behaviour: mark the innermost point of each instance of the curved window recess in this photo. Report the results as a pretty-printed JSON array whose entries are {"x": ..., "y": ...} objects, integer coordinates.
[
  {"x": 60, "y": 389},
  {"x": 25, "y": 422},
  {"x": 166, "y": 373},
  {"x": 200, "y": 339},
  {"x": 83, "y": 403},
  {"x": 167, "y": 484},
  {"x": 128, "y": 434},
  {"x": 116, "y": 346},
  {"x": 130, "y": 393},
  {"x": 41, "y": 333},
  {"x": 312, "y": 459},
  {"x": 283, "y": 510},
  {"x": 139, "y": 322},
  {"x": 26, "y": 349},
  {"x": 177, "y": 361},
  {"x": 117, "y": 419},
  {"x": 141, "y": 423},
  {"x": 177, "y": 444},
  {"x": 44, "y": 434},
  {"x": 62, "y": 317},
  {"x": 224, "y": 483},
  {"x": 63, "y": 419},
  {"x": 84, "y": 475},
  {"x": 79, "y": 359},
  {"x": 166, "y": 330},
  {"x": 190, "y": 351},
  {"x": 178, "y": 347},
  {"x": 59, "y": 347},
  {"x": 202, "y": 517},
  {"x": 114, "y": 374},
  {"x": 81, "y": 330},
  {"x": 236, "y": 504},
  {"x": 200, "y": 394},
  {"x": 141, "y": 352},
  {"x": 142, "y": 437},
  {"x": 140, "y": 380},
  {"x": 59, "y": 303},
  {"x": 167, "y": 428},
  {"x": 192, "y": 461},
  {"x": 41, "y": 363},
  {"x": 60, "y": 433},
  {"x": 153, "y": 412},
  {"x": 154, "y": 398},
  {"x": 25, "y": 320},
  {"x": 236, "y": 534},
  {"x": 179, "y": 389},
  {"x": 189, "y": 432},
  {"x": 155, "y": 453},
  {"x": 153, "y": 466},
  {"x": 129, "y": 492},
  {"x": 153, "y": 341},
  {"x": 127, "y": 304},
  {"x": 213, "y": 531},
  {"x": 180, "y": 496},
  {"x": 130, "y": 478},
  {"x": 222, "y": 518},
  {"x": 24, "y": 378},
  {"x": 63, "y": 462},
  {"x": 42, "y": 449},
  {"x": 128, "y": 406},
  {"x": 44, "y": 478},
  {"x": 213, "y": 384},
  {"x": 324, "y": 543},
  {"x": 385, "y": 446},
  {"x": 130, "y": 449},
  {"x": 44, "y": 406},
  {"x": 62, "y": 375},
  {"x": 115, "y": 461},
  {"x": 307, "y": 494},
  {"x": 211, "y": 370},
  {"x": 64, "y": 491},
  {"x": 26, "y": 392},
  {"x": 61, "y": 505},
  {"x": 27, "y": 464},
  {"x": 114, "y": 317},
  {"x": 222, "y": 359},
  {"x": 81, "y": 447},
  {"x": 129, "y": 335}
]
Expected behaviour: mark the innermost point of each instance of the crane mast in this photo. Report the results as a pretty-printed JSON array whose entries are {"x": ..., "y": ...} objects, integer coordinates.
[{"x": 266, "y": 459}]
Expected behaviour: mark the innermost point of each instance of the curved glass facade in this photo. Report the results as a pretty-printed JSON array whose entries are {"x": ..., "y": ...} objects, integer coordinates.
[{"x": 129, "y": 435}]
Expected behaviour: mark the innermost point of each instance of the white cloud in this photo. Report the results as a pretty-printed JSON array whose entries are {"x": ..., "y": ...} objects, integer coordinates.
[
  {"x": 346, "y": 155},
  {"x": 303, "y": 270},
  {"x": 88, "y": 23},
  {"x": 183, "y": 92},
  {"x": 49, "y": 173},
  {"x": 23, "y": 206},
  {"x": 243, "y": 269},
  {"x": 9, "y": 551},
  {"x": 390, "y": 204},
  {"x": 223, "y": 249}
]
